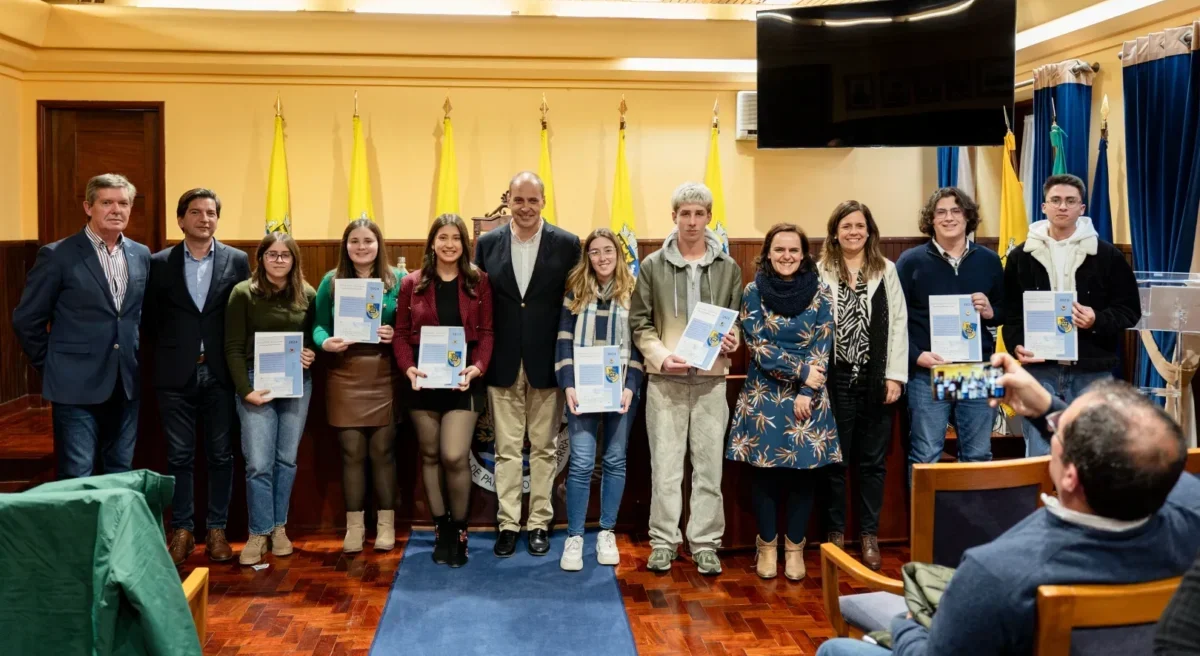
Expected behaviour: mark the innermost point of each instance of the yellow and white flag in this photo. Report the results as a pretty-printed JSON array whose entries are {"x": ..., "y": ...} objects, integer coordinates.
[
  {"x": 361, "y": 206},
  {"x": 279, "y": 214},
  {"x": 447, "y": 188},
  {"x": 712, "y": 180},
  {"x": 622, "y": 205}
]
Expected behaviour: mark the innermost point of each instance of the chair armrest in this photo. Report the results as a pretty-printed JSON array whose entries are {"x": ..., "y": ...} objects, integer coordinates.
[
  {"x": 195, "y": 588},
  {"x": 834, "y": 560}
]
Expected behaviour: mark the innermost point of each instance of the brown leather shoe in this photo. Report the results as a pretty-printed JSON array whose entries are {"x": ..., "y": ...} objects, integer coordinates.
[
  {"x": 836, "y": 539},
  {"x": 181, "y": 546},
  {"x": 870, "y": 552},
  {"x": 217, "y": 546}
]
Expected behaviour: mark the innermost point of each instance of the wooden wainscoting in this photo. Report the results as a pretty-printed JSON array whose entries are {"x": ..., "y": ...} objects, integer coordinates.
[{"x": 16, "y": 376}]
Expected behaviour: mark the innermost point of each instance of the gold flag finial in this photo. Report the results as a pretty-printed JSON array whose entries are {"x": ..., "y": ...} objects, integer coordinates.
[
  {"x": 717, "y": 113},
  {"x": 278, "y": 106},
  {"x": 623, "y": 108},
  {"x": 356, "y": 102},
  {"x": 545, "y": 110},
  {"x": 1104, "y": 117},
  {"x": 446, "y": 107}
]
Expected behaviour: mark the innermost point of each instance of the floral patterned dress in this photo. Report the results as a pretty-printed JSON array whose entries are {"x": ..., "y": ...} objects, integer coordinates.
[{"x": 765, "y": 431}]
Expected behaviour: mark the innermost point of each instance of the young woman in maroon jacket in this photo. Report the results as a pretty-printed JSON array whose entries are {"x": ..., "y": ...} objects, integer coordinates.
[{"x": 448, "y": 291}]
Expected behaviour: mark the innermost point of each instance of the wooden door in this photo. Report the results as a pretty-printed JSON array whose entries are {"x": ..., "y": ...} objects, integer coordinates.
[{"x": 78, "y": 140}]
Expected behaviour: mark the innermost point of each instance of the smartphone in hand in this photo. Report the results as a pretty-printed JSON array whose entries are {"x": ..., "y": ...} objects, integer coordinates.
[{"x": 966, "y": 382}]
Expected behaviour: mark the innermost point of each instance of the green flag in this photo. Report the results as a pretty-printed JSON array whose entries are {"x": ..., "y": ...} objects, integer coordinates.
[{"x": 1057, "y": 136}]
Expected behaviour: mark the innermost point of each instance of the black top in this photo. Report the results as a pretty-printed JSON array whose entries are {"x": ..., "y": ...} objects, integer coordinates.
[{"x": 446, "y": 295}]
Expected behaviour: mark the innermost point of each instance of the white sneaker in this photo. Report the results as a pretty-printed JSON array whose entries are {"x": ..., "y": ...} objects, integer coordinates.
[
  {"x": 572, "y": 558},
  {"x": 606, "y": 549}
]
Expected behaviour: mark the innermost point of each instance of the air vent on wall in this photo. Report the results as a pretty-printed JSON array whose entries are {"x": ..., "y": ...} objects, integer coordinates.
[{"x": 747, "y": 116}]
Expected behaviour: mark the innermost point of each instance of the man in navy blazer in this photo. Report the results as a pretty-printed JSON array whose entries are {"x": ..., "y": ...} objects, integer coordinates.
[
  {"x": 184, "y": 323},
  {"x": 527, "y": 262},
  {"x": 78, "y": 323}
]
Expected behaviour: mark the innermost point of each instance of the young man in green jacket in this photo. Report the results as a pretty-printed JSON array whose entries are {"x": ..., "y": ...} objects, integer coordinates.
[{"x": 686, "y": 408}]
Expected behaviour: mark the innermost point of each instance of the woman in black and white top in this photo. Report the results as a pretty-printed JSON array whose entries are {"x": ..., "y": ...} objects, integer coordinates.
[{"x": 870, "y": 366}]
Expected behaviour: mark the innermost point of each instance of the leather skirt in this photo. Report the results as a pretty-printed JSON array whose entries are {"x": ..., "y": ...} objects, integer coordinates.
[{"x": 362, "y": 386}]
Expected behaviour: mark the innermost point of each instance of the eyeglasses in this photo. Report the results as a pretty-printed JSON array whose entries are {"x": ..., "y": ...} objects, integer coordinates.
[
  {"x": 276, "y": 256},
  {"x": 1052, "y": 420},
  {"x": 943, "y": 214},
  {"x": 606, "y": 252},
  {"x": 1070, "y": 201}
]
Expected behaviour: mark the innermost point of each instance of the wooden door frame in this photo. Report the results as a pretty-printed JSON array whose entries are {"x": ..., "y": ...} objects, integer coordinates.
[{"x": 45, "y": 202}]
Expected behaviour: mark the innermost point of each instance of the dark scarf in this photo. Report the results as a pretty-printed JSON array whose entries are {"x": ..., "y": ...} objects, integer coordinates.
[{"x": 787, "y": 297}]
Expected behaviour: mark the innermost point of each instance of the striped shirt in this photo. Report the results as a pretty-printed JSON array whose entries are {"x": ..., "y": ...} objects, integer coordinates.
[{"x": 113, "y": 262}]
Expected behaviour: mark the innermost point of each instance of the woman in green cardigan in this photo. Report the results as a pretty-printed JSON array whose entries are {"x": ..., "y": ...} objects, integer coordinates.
[
  {"x": 274, "y": 299},
  {"x": 360, "y": 397}
]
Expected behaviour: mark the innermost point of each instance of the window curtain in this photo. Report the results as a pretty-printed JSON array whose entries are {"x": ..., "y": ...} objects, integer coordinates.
[
  {"x": 1161, "y": 74},
  {"x": 1067, "y": 88}
]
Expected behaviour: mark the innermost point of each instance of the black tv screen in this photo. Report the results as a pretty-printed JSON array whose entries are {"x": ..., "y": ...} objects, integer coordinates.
[{"x": 886, "y": 73}]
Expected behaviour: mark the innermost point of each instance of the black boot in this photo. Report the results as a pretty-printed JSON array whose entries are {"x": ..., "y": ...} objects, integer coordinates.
[
  {"x": 441, "y": 539},
  {"x": 458, "y": 546}
]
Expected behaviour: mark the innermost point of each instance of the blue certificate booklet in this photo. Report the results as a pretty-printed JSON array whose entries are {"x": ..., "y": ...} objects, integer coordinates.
[
  {"x": 277, "y": 366},
  {"x": 1050, "y": 325},
  {"x": 701, "y": 340},
  {"x": 598, "y": 378},
  {"x": 442, "y": 356},
  {"x": 358, "y": 309},
  {"x": 956, "y": 333}
]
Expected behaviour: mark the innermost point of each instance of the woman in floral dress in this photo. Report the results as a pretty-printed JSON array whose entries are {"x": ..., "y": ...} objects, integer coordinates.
[{"x": 783, "y": 425}]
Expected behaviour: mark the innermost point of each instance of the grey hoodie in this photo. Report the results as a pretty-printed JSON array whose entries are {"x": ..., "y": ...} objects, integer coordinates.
[{"x": 655, "y": 316}]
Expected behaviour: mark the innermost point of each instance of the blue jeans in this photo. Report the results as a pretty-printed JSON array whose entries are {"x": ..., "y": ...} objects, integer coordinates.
[
  {"x": 1067, "y": 383},
  {"x": 79, "y": 430},
  {"x": 583, "y": 430},
  {"x": 928, "y": 419},
  {"x": 851, "y": 647},
  {"x": 204, "y": 398},
  {"x": 270, "y": 439}
]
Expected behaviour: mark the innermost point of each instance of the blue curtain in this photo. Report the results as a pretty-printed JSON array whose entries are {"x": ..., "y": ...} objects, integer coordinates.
[
  {"x": 947, "y": 166},
  {"x": 1099, "y": 208},
  {"x": 1074, "y": 104},
  {"x": 1162, "y": 119}
]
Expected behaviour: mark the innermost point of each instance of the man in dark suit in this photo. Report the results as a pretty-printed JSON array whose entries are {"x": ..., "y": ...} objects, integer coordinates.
[
  {"x": 88, "y": 289},
  {"x": 185, "y": 321},
  {"x": 527, "y": 262}
]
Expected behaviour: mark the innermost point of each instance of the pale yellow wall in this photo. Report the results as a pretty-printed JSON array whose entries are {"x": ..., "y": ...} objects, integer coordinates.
[
  {"x": 11, "y": 127},
  {"x": 219, "y": 135}
]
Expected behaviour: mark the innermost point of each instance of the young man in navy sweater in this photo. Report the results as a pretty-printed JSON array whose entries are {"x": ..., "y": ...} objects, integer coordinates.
[
  {"x": 948, "y": 264},
  {"x": 1125, "y": 513}
]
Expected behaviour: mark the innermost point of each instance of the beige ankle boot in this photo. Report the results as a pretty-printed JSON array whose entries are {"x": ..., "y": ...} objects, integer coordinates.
[
  {"x": 385, "y": 530},
  {"x": 355, "y": 530},
  {"x": 766, "y": 562},
  {"x": 793, "y": 560},
  {"x": 280, "y": 544},
  {"x": 252, "y": 553}
]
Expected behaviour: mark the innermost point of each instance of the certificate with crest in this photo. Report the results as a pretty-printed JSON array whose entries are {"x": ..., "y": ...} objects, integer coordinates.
[
  {"x": 598, "y": 378},
  {"x": 277, "y": 365},
  {"x": 955, "y": 328},
  {"x": 701, "y": 340},
  {"x": 357, "y": 309},
  {"x": 1050, "y": 331},
  {"x": 442, "y": 357}
]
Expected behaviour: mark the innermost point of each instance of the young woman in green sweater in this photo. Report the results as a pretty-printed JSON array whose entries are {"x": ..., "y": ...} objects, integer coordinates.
[
  {"x": 274, "y": 299},
  {"x": 360, "y": 397}
]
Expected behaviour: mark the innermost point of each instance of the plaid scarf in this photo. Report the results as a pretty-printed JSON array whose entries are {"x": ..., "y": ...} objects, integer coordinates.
[{"x": 616, "y": 328}]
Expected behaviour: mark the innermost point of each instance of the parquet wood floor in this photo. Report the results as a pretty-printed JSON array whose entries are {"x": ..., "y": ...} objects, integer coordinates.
[{"x": 321, "y": 602}]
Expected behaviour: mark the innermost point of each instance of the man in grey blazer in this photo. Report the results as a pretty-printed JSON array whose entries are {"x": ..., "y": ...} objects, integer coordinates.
[{"x": 78, "y": 323}]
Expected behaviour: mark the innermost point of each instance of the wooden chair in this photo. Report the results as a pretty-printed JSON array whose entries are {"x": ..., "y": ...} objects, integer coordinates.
[
  {"x": 195, "y": 588},
  {"x": 1095, "y": 619},
  {"x": 972, "y": 503},
  {"x": 1193, "y": 461}
]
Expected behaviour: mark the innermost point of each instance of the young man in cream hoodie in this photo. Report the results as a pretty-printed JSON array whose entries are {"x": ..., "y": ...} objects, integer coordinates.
[
  {"x": 1063, "y": 253},
  {"x": 686, "y": 409}
]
